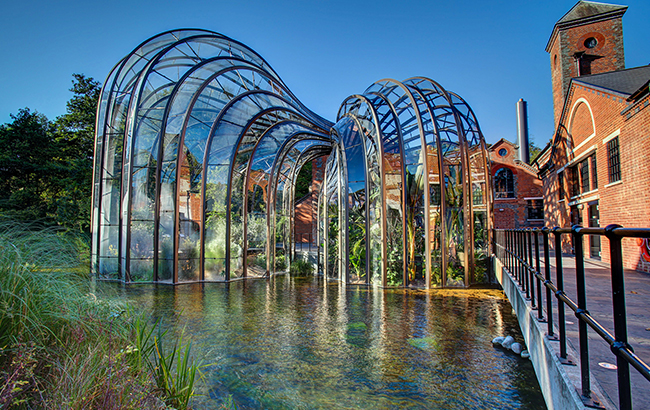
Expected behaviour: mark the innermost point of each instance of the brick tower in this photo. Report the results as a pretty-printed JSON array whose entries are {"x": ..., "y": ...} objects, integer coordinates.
[{"x": 586, "y": 40}]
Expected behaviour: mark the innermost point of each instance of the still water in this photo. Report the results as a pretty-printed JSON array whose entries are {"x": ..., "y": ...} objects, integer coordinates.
[{"x": 303, "y": 343}]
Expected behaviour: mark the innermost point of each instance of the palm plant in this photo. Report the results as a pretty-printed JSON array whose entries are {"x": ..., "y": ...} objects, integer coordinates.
[
  {"x": 357, "y": 236},
  {"x": 414, "y": 187}
]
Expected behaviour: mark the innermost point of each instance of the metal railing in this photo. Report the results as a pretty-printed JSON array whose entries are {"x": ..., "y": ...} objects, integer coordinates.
[{"x": 515, "y": 249}]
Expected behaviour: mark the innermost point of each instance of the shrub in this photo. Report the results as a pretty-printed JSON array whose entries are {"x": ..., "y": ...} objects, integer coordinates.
[
  {"x": 301, "y": 267},
  {"x": 280, "y": 263},
  {"x": 61, "y": 346}
]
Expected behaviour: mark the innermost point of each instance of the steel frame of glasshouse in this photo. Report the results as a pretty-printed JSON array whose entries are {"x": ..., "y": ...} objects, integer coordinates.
[
  {"x": 199, "y": 143},
  {"x": 423, "y": 154}
]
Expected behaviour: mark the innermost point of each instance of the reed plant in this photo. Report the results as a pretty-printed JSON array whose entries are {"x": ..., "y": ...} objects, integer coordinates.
[
  {"x": 169, "y": 362},
  {"x": 61, "y": 346}
]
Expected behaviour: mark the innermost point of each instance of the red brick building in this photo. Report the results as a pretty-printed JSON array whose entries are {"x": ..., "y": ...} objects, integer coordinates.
[
  {"x": 306, "y": 208},
  {"x": 517, "y": 189},
  {"x": 594, "y": 170}
]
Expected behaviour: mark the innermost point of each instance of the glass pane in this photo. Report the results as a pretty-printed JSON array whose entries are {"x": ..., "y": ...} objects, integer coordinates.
[
  {"x": 215, "y": 269},
  {"x": 141, "y": 270}
]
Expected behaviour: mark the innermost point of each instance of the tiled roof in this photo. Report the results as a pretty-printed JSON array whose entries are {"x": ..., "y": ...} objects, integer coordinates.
[
  {"x": 586, "y": 12},
  {"x": 587, "y": 9},
  {"x": 626, "y": 81}
]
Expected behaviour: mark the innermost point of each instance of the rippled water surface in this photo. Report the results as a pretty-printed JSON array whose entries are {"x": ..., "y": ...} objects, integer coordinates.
[{"x": 302, "y": 343}]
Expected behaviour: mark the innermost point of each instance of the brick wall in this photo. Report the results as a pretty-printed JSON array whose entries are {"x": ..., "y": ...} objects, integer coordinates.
[
  {"x": 571, "y": 40},
  {"x": 307, "y": 209},
  {"x": 627, "y": 202},
  {"x": 512, "y": 213}
]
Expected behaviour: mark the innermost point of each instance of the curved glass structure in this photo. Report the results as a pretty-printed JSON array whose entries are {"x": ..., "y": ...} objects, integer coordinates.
[
  {"x": 408, "y": 173},
  {"x": 198, "y": 145}
]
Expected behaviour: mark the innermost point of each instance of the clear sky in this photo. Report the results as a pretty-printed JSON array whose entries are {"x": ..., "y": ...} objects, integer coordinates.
[{"x": 489, "y": 52}]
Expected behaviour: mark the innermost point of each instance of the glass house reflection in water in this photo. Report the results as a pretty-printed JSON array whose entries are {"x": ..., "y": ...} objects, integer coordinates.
[{"x": 198, "y": 146}]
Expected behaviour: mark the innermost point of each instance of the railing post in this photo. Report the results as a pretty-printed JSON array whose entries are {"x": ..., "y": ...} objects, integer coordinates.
[
  {"x": 520, "y": 260},
  {"x": 511, "y": 249},
  {"x": 540, "y": 313},
  {"x": 560, "y": 291},
  {"x": 513, "y": 253},
  {"x": 504, "y": 242},
  {"x": 506, "y": 255},
  {"x": 522, "y": 263},
  {"x": 531, "y": 276},
  {"x": 582, "y": 308},
  {"x": 547, "y": 276},
  {"x": 620, "y": 321},
  {"x": 515, "y": 250}
]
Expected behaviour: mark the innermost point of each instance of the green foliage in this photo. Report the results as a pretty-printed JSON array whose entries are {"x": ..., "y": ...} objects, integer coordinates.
[
  {"x": 46, "y": 166},
  {"x": 414, "y": 230},
  {"x": 358, "y": 256},
  {"x": 280, "y": 263},
  {"x": 229, "y": 404},
  {"x": 301, "y": 268},
  {"x": 333, "y": 237},
  {"x": 533, "y": 151},
  {"x": 174, "y": 371},
  {"x": 357, "y": 237},
  {"x": 26, "y": 167},
  {"x": 60, "y": 345},
  {"x": 394, "y": 267},
  {"x": 41, "y": 279},
  {"x": 188, "y": 266},
  {"x": 481, "y": 262},
  {"x": 303, "y": 181}
]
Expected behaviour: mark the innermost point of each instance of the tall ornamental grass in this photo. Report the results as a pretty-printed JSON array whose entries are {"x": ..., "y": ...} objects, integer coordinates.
[{"x": 61, "y": 346}]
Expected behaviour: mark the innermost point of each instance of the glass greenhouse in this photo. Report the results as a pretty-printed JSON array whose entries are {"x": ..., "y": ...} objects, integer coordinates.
[{"x": 198, "y": 146}]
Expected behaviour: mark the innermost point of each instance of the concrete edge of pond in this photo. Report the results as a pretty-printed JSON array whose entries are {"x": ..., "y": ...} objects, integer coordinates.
[{"x": 560, "y": 384}]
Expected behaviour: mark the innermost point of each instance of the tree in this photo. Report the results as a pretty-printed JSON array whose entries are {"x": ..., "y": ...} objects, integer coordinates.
[
  {"x": 25, "y": 167},
  {"x": 74, "y": 136},
  {"x": 533, "y": 151},
  {"x": 46, "y": 167}
]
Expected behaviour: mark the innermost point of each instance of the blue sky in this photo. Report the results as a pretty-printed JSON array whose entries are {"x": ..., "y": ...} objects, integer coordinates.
[{"x": 489, "y": 52}]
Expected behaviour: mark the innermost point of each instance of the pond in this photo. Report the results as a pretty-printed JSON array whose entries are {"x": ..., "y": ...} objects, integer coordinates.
[{"x": 305, "y": 343}]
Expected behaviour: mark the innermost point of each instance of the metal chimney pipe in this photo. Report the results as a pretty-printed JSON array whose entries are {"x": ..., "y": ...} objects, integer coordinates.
[{"x": 522, "y": 131}]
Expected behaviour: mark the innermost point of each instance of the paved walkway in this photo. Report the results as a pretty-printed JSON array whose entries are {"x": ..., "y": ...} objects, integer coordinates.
[{"x": 599, "y": 305}]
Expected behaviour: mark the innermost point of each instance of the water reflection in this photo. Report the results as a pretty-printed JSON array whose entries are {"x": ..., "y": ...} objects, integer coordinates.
[{"x": 304, "y": 344}]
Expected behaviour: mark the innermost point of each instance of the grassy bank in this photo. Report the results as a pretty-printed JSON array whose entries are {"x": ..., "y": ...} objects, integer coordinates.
[{"x": 61, "y": 347}]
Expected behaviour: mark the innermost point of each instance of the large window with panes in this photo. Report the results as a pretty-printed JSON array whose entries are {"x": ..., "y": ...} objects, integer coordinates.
[
  {"x": 574, "y": 181},
  {"x": 504, "y": 186},
  {"x": 535, "y": 208},
  {"x": 583, "y": 167},
  {"x": 613, "y": 160},
  {"x": 594, "y": 173},
  {"x": 583, "y": 176}
]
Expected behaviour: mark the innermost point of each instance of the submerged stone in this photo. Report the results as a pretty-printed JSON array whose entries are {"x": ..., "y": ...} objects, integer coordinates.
[
  {"x": 507, "y": 342},
  {"x": 498, "y": 340},
  {"x": 357, "y": 326},
  {"x": 423, "y": 343}
]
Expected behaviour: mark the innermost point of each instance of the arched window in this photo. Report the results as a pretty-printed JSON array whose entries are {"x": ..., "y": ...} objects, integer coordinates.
[{"x": 504, "y": 186}]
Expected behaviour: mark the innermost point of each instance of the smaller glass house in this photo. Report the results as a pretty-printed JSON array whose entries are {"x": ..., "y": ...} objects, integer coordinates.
[
  {"x": 198, "y": 146},
  {"x": 406, "y": 197}
]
